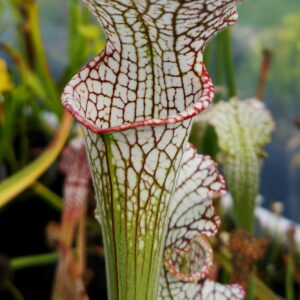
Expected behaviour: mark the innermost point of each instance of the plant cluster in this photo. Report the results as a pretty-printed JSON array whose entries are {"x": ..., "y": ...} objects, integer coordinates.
[{"x": 137, "y": 140}]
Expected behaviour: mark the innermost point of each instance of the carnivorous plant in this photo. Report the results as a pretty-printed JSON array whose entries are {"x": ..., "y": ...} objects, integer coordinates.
[{"x": 135, "y": 102}]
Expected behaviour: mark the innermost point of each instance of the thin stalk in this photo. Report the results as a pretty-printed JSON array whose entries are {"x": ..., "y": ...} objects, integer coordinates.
[
  {"x": 19, "y": 14},
  {"x": 26, "y": 37},
  {"x": 56, "y": 202},
  {"x": 24, "y": 143},
  {"x": 210, "y": 142},
  {"x": 276, "y": 245},
  {"x": 24, "y": 178},
  {"x": 41, "y": 59},
  {"x": 11, "y": 158},
  {"x": 250, "y": 288},
  {"x": 10, "y": 112},
  {"x": 49, "y": 196},
  {"x": 289, "y": 278},
  {"x": 264, "y": 74},
  {"x": 37, "y": 260},
  {"x": 207, "y": 56},
  {"x": 29, "y": 77},
  {"x": 229, "y": 62},
  {"x": 195, "y": 137},
  {"x": 78, "y": 16},
  {"x": 262, "y": 291},
  {"x": 14, "y": 291},
  {"x": 219, "y": 66},
  {"x": 33, "y": 260}
]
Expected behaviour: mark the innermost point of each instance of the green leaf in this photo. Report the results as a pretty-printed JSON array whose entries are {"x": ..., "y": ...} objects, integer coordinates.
[
  {"x": 18, "y": 182},
  {"x": 243, "y": 129}
]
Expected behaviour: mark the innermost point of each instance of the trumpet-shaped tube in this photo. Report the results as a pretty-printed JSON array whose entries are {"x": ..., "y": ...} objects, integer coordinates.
[{"x": 136, "y": 101}]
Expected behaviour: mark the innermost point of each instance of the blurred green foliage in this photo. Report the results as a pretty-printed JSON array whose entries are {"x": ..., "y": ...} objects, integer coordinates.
[
  {"x": 36, "y": 94},
  {"x": 287, "y": 60},
  {"x": 265, "y": 13},
  {"x": 272, "y": 25}
]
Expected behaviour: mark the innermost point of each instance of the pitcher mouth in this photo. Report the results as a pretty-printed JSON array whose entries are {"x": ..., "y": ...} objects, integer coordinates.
[
  {"x": 102, "y": 113},
  {"x": 191, "y": 111}
]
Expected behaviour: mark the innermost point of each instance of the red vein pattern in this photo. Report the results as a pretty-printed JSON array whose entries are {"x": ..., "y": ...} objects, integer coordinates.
[
  {"x": 68, "y": 281},
  {"x": 188, "y": 256},
  {"x": 135, "y": 101},
  {"x": 134, "y": 174},
  {"x": 151, "y": 71},
  {"x": 193, "y": 215}
]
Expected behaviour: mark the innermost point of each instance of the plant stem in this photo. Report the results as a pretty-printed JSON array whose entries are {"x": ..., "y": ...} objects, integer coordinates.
[
  {"x": 57, "y": 202},
  {"x": 289, "y": 282},
  {"x": 37, "y": 260},
  {"x": 49, "y": 196},
  {"x": 41, "y": 59},
  {"x": 14, "y": 291},
  {"x": 219, "y": 66},
  {"x": 77, "y": 43},
  {"x": 26, "y": 36},
  {"x": 207, "y": 56},
  {"x": 250, "y": 288},
  {"x": 264, "y": 74},
  {"x": 24, "y": 178},
  {"x": 229, "y": 62},
  {"x": 133, "y": 220},
  {"x": 210, "y": 142},
  {"x": 33, "y": 260}
]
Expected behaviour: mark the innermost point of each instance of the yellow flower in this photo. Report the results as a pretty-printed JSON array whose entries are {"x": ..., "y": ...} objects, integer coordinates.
[{"x": 5, "y": 80}]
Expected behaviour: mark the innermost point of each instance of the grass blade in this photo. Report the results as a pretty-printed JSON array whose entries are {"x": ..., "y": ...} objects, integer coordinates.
[{"x": 18, "y": 182}]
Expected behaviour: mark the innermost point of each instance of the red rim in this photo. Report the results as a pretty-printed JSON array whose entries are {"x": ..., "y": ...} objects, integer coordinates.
[{"x": 195, "y": 109}]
